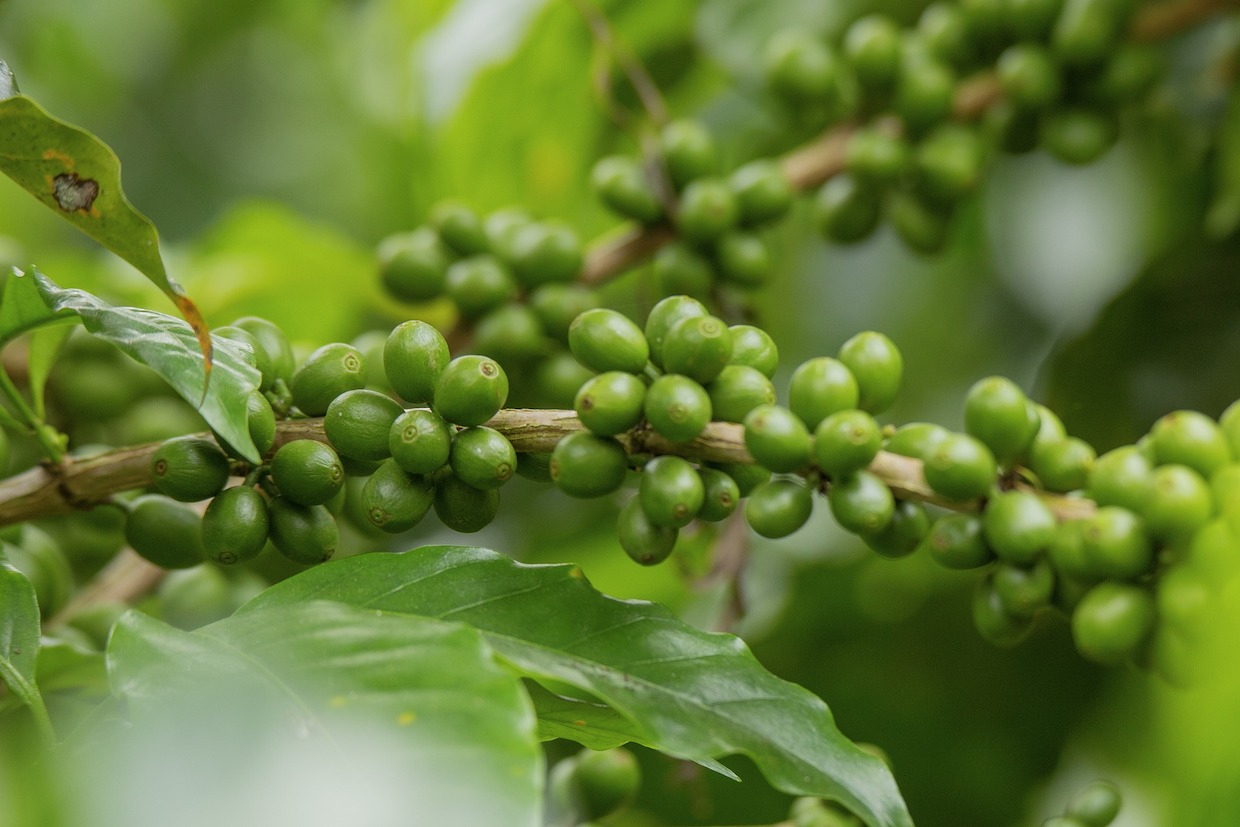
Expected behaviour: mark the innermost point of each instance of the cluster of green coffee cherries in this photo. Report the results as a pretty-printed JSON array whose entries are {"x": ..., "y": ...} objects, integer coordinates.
[{"x": 1059, "y": 71}]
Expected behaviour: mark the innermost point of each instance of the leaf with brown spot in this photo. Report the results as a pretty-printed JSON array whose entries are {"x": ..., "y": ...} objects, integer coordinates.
[{"x": 79, "y": 178}]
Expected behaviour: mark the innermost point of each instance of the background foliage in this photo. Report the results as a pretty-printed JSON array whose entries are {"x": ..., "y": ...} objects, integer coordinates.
[{"x": 275, "y": 143}]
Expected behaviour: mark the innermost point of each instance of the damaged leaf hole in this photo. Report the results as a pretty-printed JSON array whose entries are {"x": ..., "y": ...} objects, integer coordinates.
[{"x": 74, "y": 193}]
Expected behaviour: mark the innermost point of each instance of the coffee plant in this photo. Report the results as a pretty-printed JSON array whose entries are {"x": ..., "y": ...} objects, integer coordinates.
[{"x": 828, "y": 382}]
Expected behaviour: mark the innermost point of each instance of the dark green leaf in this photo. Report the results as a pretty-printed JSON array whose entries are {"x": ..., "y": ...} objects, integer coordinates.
[
  {"x": 19, "y": 635},
  {"x": 461, "y": 719},
  {"x": 168, "y": 346},
  {"x": 79, "y": 177},
  {"x": 689, "y": 693},
  {"x": 1224, "y": 214}
]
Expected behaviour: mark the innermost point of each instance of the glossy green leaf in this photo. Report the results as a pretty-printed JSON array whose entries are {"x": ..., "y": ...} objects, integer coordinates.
[
  {"x": 22, "y": 309},
  {"x": 461, "y": 722},
  {"x": 689, "y": 693},
  {"x": 79, "y": 177},
  {"x": 168, "y": 346},
  {"x": 66, "y": 664}
]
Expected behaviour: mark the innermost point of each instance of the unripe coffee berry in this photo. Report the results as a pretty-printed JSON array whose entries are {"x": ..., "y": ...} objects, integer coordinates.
[{"x": 470, "y": 390}]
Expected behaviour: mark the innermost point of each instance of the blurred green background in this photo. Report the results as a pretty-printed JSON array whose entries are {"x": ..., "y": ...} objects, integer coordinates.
[{"x": 275, "y": 143}]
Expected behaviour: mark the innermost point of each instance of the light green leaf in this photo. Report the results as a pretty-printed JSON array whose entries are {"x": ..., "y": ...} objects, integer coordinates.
[
  {"x": 79, "y": 177},
  {"x": 66, "y": 664},
  {"x": 167, "y": 345},
  {"x": 689, "y": 693},
  {"x": 45, "y": 344},
  {"x": 19, "y": 640},
  {"x": 461, "y": 722},
  {"x": 22, "y": 307}
]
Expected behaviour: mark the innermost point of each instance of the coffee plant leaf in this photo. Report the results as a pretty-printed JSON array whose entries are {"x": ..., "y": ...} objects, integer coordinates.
[
  {"x": 692, "y": 694},
  {"x": 1223, "y": 217},
  {"x": 19, "y": 635},
  {"x": 78, "y": 177},
  {"x": 168, "y": 346},
  {"x": 461, "y": 721},
  {"x": 22, "y": 309}
]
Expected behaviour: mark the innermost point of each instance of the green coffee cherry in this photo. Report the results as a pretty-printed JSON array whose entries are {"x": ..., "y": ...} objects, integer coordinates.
[
  {"x": 1180, "y": 502},
  {"x": 235, "y": 526},
  {"x": 256, "y": 356},
  {"x": 875, "y": 156},
  {"x": 992, "y": 620},
  {"x": 846, "y": 210},
  {"x": 545, "y": 251},
  {"x": 802, "y": 69},
  {"x": 721, "y": 495},
  {"x": 482, "y": 457},
  {"x": 1192, "y": 439},
  {"x": 872, "y": 45},
  {"x": 536, "y": 467},
  {"x": 1096, "y": 805},
  {"x": 459, "y": 227},
  {"x": 677, "y": 407},
  {"x": 744, "y": 259},
  {"x": 1023, "y": 589},
  {"x": 557, "y": 379},
  {"x": 420, "y": 441},
  {"x": 462, "y": 507},
  {"x": 556, "y": 305},
  {"x": 413, "y": 358},
  {"x": 1032, "y": 20},
  {"x": 945, "y": 35},
  {"x": 611, "y": 402},
  {"x": 1131, "y": 71},
  {"x": 875, "y": 362},
  {"x": 754, "y": 347},
  {"x": 998, "y": 413},
  {"x": 845, "y": 442},
  {"x": 1011, "y": 129},
  {"x": 394, "y": 500},
  {"x": 681, "y": 270},
  {"x": 1085, "y": 31},
  {"x": 1120, "y": 477},
  {"x": 922, "y": 227},
  {"x": 643, "y": 541},
  {"x": 412, "y": 265},
  {"x": 194, "y": 597},
  {"x": 747, "y": 476},
  {"x": 604, "y": 340},
  {"x": 328, "y": 372},
  {"x": 903, "y": 534},
  {"x": 671, "y": 492},
  {"x": 586, "y": 465},
  {"x": 305, "y": 534},
  {"x": 164, "y": 532},
  {"x": 1076, "y": 135},
  {"x": 949, "y": 162},
  {"x": 697, "y": 347},
  {"x": 621, "y": 183},
  {"x": 924, "y": 90},
  {"x": 358, "y": 423},
  {"x": 1019, "y": 526},
  {"x": 189, "y": 468},
  {"x": 1115, "y": 544},
  {"x": 737, "y": 390},
  {"x": 470, "y": 390},
  {"x": 779, "y": 507},
  {"x": 512, "y": 335},
  {"x": 961, "y": 468},
  {"x": 689, "y": 152},
  {"x": 763, "y": 192},
  {"x": 820, "y": 387},
  {"x": 1029, "y": 76},
  {"x": 1112, "y": 622},
  {"x": 777, "y": 438},
  {"x": 667, "y": 314},
  {"x": 1063, "y": 465},
  {"x": 274, "y": 344},
  {"x": 916, "y": 439},
  {"x": 607, "y": 780},
  {"x": 707, "y": 210},
  {"x": 479, "y": 284},
  {"x": 307, "y": 472},
  {"x": 861, "y": 503},
  {"x": 1186, "y": 600},
  {"x": 501, "y": 228},
  {"x": 956, "y": 541}
]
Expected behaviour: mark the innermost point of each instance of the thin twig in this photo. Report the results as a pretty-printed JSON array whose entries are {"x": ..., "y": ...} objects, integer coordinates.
[{"x": 645, "y": 87}]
